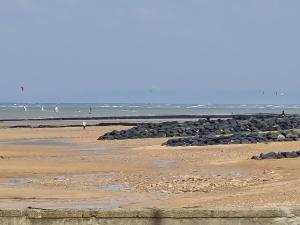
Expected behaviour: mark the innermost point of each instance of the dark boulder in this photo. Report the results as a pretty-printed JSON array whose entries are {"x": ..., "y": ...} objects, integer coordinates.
[
  {"x": 278, "y": 155},
  {"x": 290, "y": 154},
  {"x": 202, "y": 127},
  {"x": 270, "y": 155}
]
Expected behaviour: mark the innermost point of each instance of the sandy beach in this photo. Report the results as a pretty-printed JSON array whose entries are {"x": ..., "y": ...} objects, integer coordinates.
[{"x": 69, "y": 168}]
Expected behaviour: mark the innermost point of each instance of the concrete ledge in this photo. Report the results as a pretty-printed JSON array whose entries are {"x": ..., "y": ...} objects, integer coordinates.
[{"x": 150, "y": 216}]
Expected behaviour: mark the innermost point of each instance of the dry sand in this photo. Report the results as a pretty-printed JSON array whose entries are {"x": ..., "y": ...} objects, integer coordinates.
[{"x": 68, "y": 167}]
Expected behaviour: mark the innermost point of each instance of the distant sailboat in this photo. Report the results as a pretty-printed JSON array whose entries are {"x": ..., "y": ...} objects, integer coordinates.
[
  {"x": 56, "y": 109},
  {"x": 25, "y": 108},
  {"x": 42, "y": 108}
]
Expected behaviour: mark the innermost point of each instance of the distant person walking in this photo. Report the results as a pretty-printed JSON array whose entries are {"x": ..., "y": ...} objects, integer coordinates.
[{"x": 83, "y": 125}]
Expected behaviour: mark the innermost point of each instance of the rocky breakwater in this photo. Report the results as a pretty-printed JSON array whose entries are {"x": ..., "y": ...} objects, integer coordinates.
[
  {"x": 204, "y": 127},
  {"x": 277, "y": 155},
  {"x": 236, "y": 138}
]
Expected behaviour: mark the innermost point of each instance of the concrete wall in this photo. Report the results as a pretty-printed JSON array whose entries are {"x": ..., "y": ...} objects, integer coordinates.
[{"x": 278, "y": 216}]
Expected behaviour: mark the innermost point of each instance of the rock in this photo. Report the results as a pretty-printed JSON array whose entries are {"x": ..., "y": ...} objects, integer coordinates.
[
  {"x": 280, "y": 137},
  {"x": 234, "y": 141},
  {"x": 238, "y": 138},
  {"x": 212, "y": 127},
  {"x": 245, "y": 141},
  {"x": 272, "y": 136},
  {"x": 270, "y": 155},
  {"x": 279, "y": 155},
  {"x": 195, "y": 143},
  {"x": 289, "y": 154},
  {"x": 291, "y": 135},
  {"x": 256, "y": 157}
]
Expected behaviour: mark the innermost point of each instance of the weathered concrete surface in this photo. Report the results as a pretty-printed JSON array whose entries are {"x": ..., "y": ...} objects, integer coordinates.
[{"x": 276, "y": 216}]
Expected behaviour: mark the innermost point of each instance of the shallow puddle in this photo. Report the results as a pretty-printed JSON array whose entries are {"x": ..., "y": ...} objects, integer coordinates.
[
  {"x": 15, "y": 182},
  {"x": 96, "y": 150},
  {"x": 83, "y": 176},
  {"x": 112, "y": 187},
  {"x": 35, "y": 142},
  {"x": 95, "y": 181},
  {"x": 164, "y": 163}
]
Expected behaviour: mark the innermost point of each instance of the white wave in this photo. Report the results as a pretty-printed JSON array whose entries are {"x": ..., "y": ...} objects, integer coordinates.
[
  {"x": 108, "y": 106},
  {"x": 11, "y": 106},
  {"x": 196, "y": 106},
  {"x": 134, "y": 106},
  {"x": 126, "y": 110},
  {"x": 292, "y": 107}
]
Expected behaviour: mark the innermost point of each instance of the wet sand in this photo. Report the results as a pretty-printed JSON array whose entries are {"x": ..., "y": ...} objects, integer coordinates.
[{"x": 69, "y": 168}]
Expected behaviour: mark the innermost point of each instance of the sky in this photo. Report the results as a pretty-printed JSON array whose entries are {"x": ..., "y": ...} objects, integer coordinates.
[{"x": 173, "y": 51}]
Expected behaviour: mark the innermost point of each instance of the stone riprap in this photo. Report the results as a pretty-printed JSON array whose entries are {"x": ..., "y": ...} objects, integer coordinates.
[
  {"x": 277, "y": 155},
  {"x": 236, "y": 138},
  {"x": 204, "y": 127}
]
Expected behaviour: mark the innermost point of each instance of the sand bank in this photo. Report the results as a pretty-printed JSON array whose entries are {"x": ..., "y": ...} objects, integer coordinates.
[{"x": 69, "y": 168}]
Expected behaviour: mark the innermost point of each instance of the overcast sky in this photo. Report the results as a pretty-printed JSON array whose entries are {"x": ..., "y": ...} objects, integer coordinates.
[{"x": 205, "y": 51}]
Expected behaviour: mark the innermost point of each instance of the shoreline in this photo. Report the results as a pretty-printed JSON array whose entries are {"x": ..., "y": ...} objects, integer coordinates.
[
  {"x": 150, "y": 117},
  {"x": 65, "y": 122}
]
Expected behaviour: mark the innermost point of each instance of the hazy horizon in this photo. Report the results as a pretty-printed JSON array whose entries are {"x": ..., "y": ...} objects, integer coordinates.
[{"x": 205, "y": 52}]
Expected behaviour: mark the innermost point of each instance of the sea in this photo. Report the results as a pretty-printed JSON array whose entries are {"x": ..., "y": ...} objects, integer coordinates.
[{"x": 11, "y": 111}]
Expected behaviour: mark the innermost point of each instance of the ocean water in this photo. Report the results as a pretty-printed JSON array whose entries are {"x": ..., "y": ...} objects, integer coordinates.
[{"x": 34, "y": 111}]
